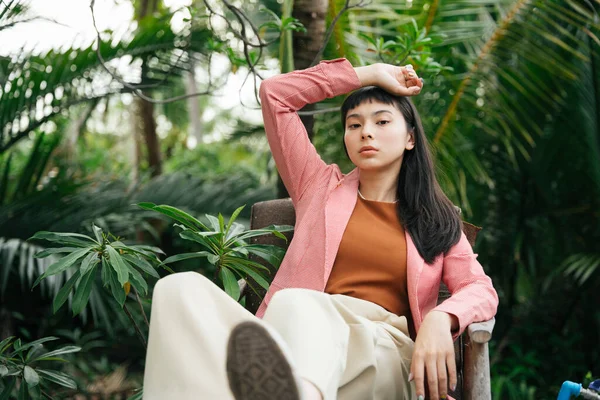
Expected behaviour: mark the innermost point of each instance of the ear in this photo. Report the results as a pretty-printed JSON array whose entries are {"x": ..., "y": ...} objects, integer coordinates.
[{"x": 410, "y": 143}]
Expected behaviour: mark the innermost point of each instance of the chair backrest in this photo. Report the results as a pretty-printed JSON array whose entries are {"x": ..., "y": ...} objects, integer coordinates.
[{"x": 281, "y": 212}]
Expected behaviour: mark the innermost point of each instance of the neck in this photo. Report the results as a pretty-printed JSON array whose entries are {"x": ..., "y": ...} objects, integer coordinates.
[{"x": 378, "y": 185}]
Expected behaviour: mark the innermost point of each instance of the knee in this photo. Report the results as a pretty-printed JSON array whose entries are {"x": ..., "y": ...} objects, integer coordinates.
[
  {"x": 173, "y": 286},
  {"x": 288, "y": 300}
]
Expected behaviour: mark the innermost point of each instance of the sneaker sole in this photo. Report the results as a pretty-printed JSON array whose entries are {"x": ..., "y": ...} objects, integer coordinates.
[{"x": 256, "y": 366}]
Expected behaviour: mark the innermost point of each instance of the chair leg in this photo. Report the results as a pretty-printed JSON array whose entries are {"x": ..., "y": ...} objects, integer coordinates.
[{"x": 476, "y": 371}]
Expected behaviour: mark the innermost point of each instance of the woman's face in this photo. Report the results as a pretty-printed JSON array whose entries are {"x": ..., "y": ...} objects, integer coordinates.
[{"x": 376, "y": 136}]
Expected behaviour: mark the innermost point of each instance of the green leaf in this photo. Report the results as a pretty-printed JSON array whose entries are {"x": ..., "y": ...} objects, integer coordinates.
[
  {"x": 200, "y": 237},
  {"x": 134, "y": 250},
  {"x": 246, "y": 262},
  {"x": 9, "y": 384},
  {"x": 35, "y": 392},
  {"x": 118, "y": 265},
  {"x": 63, "y": 293},
  {"x": 272, "y": 254},
  {"x": 31, "y": 377},
  {"x": 185, "y": 256},
  {"x": 230, "y": 283},
  {"x": 55, "y": 250},
  {"x": 38, "y": 342},
  {"x": 253, "y": 274},
  {"x": 3, "y": 371},
  {"x": 233, "y": 217},
  {"x": 272, "y": 229},
  {"x": 117, "y": 290},
  {"x": 105, "y": 272},
  {"x": 57, "y": 352},
  {"x": 213, "y": 258},
  {"x": 176, "y": 214},
  {"x": 235, "y": 229},
  {"x": 88, "y": 262},
  {"x": 82, "y": 293},
  {"x": 221, "y": 223},
  {"x": 58, "y": 378},
  {"x": 62, "y": 264},
  {"x": 5, "y": 344},
  {"x": 98, "y": 234},
  {"x": 23, "y": 393},
  {"x": 142, "y": 264},
  {"x": 74, "y": 239},
  {"x": 147, "y": 248},
  {"x": 214, "y": 222},
  {"x": 137, "y": 280}
]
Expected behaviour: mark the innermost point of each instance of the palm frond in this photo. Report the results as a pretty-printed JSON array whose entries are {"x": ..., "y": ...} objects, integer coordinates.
[
  {"x": 518, "y": 79},
  {"x": 582, "y": 267},
  {"x": 17, "y": 258},
  {"x": 36, "y": 88}
]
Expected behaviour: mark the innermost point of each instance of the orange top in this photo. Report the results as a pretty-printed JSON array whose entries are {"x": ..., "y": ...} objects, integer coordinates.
[{"x": 371, "y": 260}]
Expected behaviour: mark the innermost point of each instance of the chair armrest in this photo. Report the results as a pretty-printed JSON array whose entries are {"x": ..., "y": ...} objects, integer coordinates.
[
  {"x": 481, "y": 332},
  {"x": 476, "y": 378}
]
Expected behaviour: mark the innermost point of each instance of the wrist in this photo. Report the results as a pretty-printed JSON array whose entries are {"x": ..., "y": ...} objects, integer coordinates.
[
  {"x": 448, "y": 318},
  {"x": 367, "y": 75}
]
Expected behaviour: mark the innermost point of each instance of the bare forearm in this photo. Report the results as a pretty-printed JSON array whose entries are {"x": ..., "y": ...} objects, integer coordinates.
[
  {"x": 402, "y": 81},
  {"x": 367, "y": 75}
]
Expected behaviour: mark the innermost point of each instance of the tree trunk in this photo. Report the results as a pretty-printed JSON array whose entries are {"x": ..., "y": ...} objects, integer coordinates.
[
  {"x": 145, "y": 109},
  {"x": 312, "y": 14},
  {"x": 147, "y": 126}
]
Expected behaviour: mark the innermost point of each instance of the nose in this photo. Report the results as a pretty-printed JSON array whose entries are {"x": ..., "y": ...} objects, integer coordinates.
[
  {"x": 366, "y": 135},
  {"x": 366, "y": 131}
]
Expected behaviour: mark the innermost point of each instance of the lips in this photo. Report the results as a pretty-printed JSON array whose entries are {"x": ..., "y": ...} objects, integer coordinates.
[{"x": 366, "y": 148}]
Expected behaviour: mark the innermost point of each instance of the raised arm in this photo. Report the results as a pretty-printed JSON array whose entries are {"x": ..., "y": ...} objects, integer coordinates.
[{"x": 283, "y": 95}]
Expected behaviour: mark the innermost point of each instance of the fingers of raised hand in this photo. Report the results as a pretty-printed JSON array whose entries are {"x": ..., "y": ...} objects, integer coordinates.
[{"x": 412, "y": 80}]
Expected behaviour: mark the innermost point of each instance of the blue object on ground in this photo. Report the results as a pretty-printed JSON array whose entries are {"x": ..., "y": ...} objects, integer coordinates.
[
  {"x": 569, "y": 389},
  {"x": 595, "y": 385}
]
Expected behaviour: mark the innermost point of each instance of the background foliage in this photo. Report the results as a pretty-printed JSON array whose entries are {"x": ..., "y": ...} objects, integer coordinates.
[{"x": 511, "y": 106}]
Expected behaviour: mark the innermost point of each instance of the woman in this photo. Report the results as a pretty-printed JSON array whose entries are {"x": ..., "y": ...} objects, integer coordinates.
[{"x": 352, "y": 310}]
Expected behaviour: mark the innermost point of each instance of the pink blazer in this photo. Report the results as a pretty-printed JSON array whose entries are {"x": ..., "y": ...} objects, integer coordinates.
[{"x": 324, "y": 199}]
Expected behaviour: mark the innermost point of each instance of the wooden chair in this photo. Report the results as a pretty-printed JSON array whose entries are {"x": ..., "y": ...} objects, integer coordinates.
[{"x": 471, "y": 349}]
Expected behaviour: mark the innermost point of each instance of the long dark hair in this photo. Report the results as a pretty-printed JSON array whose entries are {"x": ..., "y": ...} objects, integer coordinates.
[{"x": 430, "y": 218}]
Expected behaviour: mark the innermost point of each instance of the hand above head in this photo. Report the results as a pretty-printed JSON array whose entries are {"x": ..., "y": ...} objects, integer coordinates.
[
  {"x": 433, "y": 356},
  {"x": 402, "y": 81}
]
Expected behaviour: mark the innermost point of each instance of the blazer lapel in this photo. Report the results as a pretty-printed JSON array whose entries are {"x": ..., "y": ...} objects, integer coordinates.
[
  {"x": 339, "y": 207},
  {"x": 414, "y": 267}
]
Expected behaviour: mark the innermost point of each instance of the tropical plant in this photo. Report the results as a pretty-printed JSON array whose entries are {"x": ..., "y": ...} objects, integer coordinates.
[
  {"x": 20, "y": 369},
  {"x": 227, "y": 248},
  {"x": 120, "y": 265}
]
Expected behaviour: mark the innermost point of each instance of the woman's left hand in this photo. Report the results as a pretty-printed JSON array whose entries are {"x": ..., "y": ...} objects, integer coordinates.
[{"x": 434, "y": 356}]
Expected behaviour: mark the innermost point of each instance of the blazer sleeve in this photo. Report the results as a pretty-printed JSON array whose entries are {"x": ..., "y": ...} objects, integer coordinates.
[
  {"x": 473, "y": 298},
  {"x": 281, "y": 97}
]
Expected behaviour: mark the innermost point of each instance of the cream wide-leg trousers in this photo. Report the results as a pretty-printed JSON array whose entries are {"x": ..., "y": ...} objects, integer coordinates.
[{"x": 351, "y": 349}]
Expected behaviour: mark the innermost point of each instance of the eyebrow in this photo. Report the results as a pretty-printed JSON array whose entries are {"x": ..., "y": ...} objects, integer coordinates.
[{"x": 375, "y": 113}]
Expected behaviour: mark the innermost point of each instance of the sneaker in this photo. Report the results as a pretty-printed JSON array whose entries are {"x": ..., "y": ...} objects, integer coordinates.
[{"x": 258, "y": 367}]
